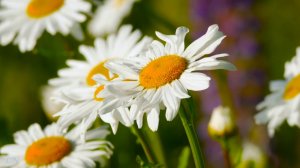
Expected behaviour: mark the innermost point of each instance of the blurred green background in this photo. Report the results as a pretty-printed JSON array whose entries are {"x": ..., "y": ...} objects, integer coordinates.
[{"x": 22, "y": 76}]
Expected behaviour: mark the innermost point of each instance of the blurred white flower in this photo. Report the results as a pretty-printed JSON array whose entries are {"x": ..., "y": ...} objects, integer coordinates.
[
  {"x": 51, "y": 106},
  {"x": 23, "y": 22},
  {"x": 221, "y": 123},
  {"x": 52, "y": 147},
  {"x": 163, "y": 74},
  {"x": 109, "y": 16},
  {"x": 284, "y": 101},
  {"x": 252, "y": 156},
  {"x": 80, "y": 91}
]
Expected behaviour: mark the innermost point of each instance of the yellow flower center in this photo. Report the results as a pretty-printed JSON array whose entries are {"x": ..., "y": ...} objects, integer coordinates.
[
  {"x": 162, "y": 70},
  {"x": 98, "y": 69},
  {"x": 292, "y": 89},
  {"x": 119, "y": 3},
  {"x": 47, "y": 150},
  {"x": 98, "y": 90},
  {"x": 41, "y": 8}
]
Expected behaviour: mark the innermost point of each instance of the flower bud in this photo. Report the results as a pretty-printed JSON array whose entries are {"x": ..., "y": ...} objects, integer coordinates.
[
  {"x": 252, "y": 156},
  {"x": 221, "y": 123}
]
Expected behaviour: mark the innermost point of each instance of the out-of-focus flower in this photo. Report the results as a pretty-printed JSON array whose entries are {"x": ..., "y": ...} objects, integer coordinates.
[
  {"x": 53, "y": 148},
  {"x": 238, "y": 21},
  {"x": 109, "y": 16},
  {"x": 164, "y": 73},
  {"x": 50, "y": 106},
  {"x": 23, "y": 22},
  {"x": 221, "y": 123},
  {"x": 284, "y": 101},
  {"x": 252, "y": 156},
  {"x": 79, "y": 89}
]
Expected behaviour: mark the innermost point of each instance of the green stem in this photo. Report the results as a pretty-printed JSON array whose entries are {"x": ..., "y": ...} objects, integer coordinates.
[
  {"x": 226, "y": 153},
  {"x": 155, "y": 144},
  {"x": 188, "y": 125},
  {"x": 224, "y": 90},
  {"x": 142, "y": 140}
]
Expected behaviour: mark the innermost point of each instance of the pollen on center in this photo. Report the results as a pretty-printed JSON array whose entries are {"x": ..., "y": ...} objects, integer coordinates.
[
  {"x": 47, "y": 150},
  {"x": 292, "y": 89},
  {"x": 41, "y": 8},
  {"x": 162, "y": 70}
]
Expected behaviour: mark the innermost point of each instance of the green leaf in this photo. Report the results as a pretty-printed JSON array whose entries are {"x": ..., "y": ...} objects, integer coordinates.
[{"x": 184, "y": 157}]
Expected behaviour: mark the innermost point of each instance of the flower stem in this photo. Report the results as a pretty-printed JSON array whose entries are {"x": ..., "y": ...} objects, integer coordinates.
[
  {"x": 141, "y": 139},
  {"x": 224, "y": 90},
  {"x": 188, "y": 125},
  {"x": 156, "y": 146},
  {"x": 226, "y": 153}
]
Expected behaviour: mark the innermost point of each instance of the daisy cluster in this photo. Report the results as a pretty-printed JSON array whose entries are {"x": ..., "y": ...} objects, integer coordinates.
[
  {"x": 22, "y": 22},
  {"x": 124, "y": 76}
]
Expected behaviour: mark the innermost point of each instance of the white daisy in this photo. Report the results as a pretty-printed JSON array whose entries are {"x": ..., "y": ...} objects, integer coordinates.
[
  {"x": 221, "y": 123},
  {"x": 52, "y": 148},
  {"x": 50, "y": 107},
  {"x": 79, "y": 87},
  {"x": 115, "y": 10},
  {"x": 252, "y": 156},
  {"x": 284, "y": 101},
  {"x": 23, "y": 22},
  {"x": 164, "y": 73}
]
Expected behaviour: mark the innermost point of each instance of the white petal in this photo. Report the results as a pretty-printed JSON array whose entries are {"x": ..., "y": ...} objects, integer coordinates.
[
  {"x": 122, "y": 115},
  {"x": 36, "y": 132},
  {"x": 178, "y": 90},
  {"x": 195, "y": 81},
  {"x": 109, "y": 118},
  {"x": 89, "y": 53},
  {"x": 122, "y": 70},
  {"x": 205, "y": 44},
  {"x": 211, "y": 65},
  {"x": 140, "y": 120},
  {"x": 181, "y": 33},
  {"x": 153, "y": 119},
  {"x": 22, "y": 138},
  {"x": 13, "y": 150},
  {"x": 100, "y": 132},
  {"x": 123, "y": 89}
]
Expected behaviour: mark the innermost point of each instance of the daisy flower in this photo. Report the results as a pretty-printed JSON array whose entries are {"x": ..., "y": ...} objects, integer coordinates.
[
  {"x": 221, "y": 123},
  {"x": 53, "y": 148},
  {"x": 79, "y": 88},
  {"x": 23, "y": 22},
  {"x": 164, "y": 73},
  {"x": 252, "y": 156},
  {"x": 115, "y": 10},
  {"x": 50, "y": 107},
  {"x": 284, "y": 101}
]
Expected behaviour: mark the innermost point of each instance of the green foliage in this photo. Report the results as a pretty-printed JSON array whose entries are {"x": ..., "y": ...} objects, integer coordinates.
[{"x": 185, "y": 155}]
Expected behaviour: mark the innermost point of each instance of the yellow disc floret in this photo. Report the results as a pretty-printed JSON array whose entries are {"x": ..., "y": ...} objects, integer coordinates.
[
  {"x": 98, "y": 69},
  {"x": 47, "y": 150},
  {"x": 119, "y": 3},
  {"x": 292, "y": 89},
  {"x": 162, "y": 70},
  {"x": 41, "y": 8},
  {"x": 98, "y": 90}
]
